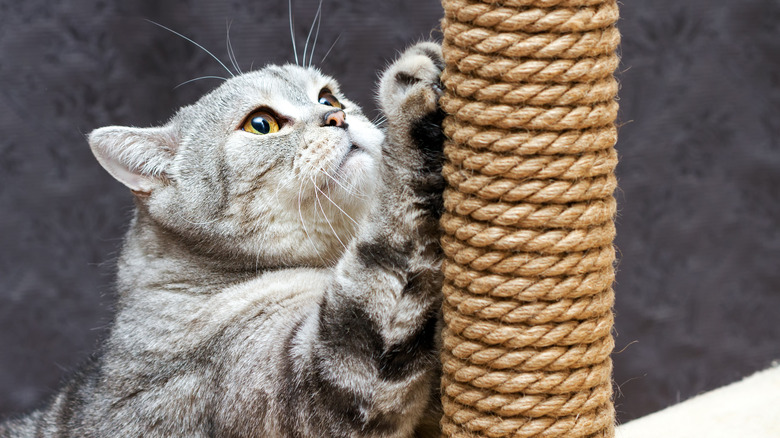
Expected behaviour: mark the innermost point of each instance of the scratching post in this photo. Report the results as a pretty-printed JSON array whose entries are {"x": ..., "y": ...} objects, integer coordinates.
[{"x": 528, "y": 226}]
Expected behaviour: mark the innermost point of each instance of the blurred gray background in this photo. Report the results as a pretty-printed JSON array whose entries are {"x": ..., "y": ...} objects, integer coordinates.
[{"x": 698, "y": 287}]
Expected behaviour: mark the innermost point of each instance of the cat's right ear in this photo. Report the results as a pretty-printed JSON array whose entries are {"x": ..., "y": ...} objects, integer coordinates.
[{"x": 137, "y": 157}]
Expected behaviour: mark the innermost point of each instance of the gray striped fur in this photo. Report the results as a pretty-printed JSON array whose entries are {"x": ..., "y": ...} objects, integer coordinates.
[{"x": 250, "y": 304}]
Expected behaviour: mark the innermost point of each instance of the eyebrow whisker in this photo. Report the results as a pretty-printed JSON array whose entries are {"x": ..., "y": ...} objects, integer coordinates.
[
  {"x": 193, "y": 42},
  {"x": 316, "y": 34},
  {"x": 197, "y": 79},
  {"x": 230, "y": 52},
  {"x": 292, "y": 34},
  {"x": 322, "y": 61},
  {"x": 311, "y": 29}
]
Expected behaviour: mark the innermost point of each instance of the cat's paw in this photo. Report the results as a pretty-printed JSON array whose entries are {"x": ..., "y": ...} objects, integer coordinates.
[
  {"x": 410, "y": 89},
  {"x": 409, "y": 95}
]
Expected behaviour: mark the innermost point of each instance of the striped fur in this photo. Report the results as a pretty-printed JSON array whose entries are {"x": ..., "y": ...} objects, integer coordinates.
[{"x": 283, "y": 285}]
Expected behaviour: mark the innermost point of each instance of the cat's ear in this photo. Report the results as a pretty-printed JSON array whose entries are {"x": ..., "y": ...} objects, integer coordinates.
[{"x": 137, "y": 157}]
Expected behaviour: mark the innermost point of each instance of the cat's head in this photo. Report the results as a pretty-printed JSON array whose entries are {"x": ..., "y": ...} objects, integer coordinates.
[{"x": 274, "y": 166}]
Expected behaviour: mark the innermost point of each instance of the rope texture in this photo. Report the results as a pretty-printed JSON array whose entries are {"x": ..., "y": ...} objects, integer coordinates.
[{"x": 529, "y": 217}]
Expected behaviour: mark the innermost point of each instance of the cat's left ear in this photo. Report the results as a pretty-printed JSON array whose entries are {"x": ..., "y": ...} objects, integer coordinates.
[{"x": 137, "y": 157}]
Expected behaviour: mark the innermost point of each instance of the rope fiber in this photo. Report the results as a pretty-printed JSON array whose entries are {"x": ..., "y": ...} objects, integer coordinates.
[{"x": 529, "y": 226}]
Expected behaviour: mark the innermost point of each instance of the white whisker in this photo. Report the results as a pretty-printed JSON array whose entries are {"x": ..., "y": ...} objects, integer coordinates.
[
  {"x": 336, "y": 205},
  {"x": 231, "y": 53},
  {"x": 325, "y": 215},
  {"x": 303, "y": 223},
  {"x": 328, "y": 196},
  {"x": 197, "y": 79},
  {"x": 331, "y": 48},
  {"x": 292, "y": 34},
  {"x": 261, "y": 244},
  {"x": 311, "y": 29},
  {"x": 316, "y": 34},
  {"x": 347, "y": 189},
  {"x": 195, "y": 223},
  {"x": 193, "y": 42},
  {"x": 281, "y": 186}
]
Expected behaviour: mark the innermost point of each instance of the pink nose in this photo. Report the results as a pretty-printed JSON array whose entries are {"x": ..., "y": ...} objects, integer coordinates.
[{"x": 335, "y": 118}]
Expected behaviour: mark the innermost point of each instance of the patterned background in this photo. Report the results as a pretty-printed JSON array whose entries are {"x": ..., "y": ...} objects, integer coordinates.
[{"x": 698, "y": 286}]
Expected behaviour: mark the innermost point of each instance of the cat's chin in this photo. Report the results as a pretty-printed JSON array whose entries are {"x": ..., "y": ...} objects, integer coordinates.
[
  {"x": 355, "y": 174},
  {"x": 353, "y": 149},
  {"x": 354, "y": 154}
]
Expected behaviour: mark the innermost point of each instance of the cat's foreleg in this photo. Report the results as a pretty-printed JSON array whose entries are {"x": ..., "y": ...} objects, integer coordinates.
[{"x": 373, "y": 359}]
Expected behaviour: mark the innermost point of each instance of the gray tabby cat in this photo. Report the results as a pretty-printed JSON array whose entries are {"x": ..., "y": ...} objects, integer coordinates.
[{"x": 280, "y": 277}]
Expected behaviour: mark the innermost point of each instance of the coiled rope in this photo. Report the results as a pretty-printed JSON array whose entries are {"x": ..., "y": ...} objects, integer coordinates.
[{"x": 528, "y": 227}]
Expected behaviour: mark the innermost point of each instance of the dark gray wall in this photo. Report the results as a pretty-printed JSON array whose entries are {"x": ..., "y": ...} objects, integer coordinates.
[{"x": 698, "y": 286}]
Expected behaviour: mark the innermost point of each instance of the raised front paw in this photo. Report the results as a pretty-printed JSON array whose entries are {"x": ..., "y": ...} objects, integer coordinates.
[
  {"x": 409, "y": 90},
  {"x": 409, "y": 96}
]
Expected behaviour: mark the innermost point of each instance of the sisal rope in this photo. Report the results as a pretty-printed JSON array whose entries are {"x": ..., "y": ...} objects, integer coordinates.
[{"x": 528, "y": 223}]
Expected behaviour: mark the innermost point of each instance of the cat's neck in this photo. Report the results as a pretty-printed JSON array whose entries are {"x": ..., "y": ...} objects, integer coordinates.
[{"x": 157, "y": 259}]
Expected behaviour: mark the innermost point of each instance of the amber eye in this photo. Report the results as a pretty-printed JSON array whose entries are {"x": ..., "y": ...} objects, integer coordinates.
[
  {"x": 327, "y": 98},
  {"x": 261, "y": 122}
]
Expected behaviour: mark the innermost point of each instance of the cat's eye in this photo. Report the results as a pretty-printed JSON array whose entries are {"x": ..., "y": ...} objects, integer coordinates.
[
  {"x": 261, "y": 122},
  {"x": 327, "y": 98}
]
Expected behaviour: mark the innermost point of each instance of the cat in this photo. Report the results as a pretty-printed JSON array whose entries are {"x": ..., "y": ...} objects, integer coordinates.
[{"x": 281, "y": 274}]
